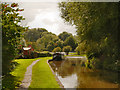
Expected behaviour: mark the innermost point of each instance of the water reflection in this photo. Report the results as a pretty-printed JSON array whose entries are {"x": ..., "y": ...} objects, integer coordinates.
[
  {"x": 72, "y": 79},
  {"x": 73, "y": 74}
]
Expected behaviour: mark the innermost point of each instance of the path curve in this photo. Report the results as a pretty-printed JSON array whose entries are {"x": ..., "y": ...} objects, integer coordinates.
[{"x": 28, "y": 76}]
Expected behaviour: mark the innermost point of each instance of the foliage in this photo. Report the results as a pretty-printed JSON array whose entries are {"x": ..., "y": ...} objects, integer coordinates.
[
  {"x": 60, "y": 43},
  {"x": 14, "y": 79},
  {"x": 67, "y": 49},
  {"x": 78, "y": 49},
  {"x": 22, "y": 42},
  {"x": 97, "y": 27},
  {"x": 45, "y": 40},
  {"x": 57, "y": 49},
  {"x": 47, "y": 54},
  {"x": 64, "y": 35},
  {"x": 32, "y": 44},
  {"x": 33, "y": 34},
  {"x": 81, "y": 49},
  {"x": 42, "y": 40},
  {"x": 50, "y": 46},
  {"x": 71, "y": 42},
  {"x": 11, "y": 33}
]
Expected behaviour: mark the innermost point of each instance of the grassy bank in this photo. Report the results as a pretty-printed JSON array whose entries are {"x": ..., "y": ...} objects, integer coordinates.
[
  {"x": 17, "y": 75},
  {"x": 42, "y": 76},
  {"x": 75, "y": 54},
  {"x": 21, "y": 68}
]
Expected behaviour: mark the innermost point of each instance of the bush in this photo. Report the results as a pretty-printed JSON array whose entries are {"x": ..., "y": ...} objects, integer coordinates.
[
  {"x": 44, "y": 54},
  {"x": 67, "y": 49},
  {"x": 11, "y": 33},
  {"x": 78, "y": 50},
  {"x": 57, "y": 49}
]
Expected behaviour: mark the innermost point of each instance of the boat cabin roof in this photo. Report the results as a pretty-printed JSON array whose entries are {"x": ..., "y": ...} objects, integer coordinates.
[{"x": 26, "y": 48}]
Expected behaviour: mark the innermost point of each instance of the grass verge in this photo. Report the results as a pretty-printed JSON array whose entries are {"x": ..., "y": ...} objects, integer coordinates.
[
  {"x": 75, "y": 54},
  {"x": 14, "y": 78},
  {"x": 42, "y": 76},
  {"x": 20, "y": 70}
]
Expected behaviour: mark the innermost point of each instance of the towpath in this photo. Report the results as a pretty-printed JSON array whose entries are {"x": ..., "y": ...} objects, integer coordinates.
[{"x": 28, "y": 76}]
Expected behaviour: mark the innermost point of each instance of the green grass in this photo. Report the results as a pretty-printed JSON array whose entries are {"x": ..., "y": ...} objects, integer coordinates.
[
  {"x": 72, "y": 54},
  {"x": 75, "y": 54},
  {"x": 13, "y": 80},
  {"x": 20, "y": 70},
  {"x": 42, "y": 76}
]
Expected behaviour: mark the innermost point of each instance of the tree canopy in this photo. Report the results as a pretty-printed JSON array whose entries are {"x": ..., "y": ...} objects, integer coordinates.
[
  {"x": 11, "y": 33},
  {"x": 64, "y": 35},
  {"x": 67, "y": 49},
  {"x": 57, "y": 49},
  {"x": 97, "y": 27},
  {"x": 71, "y": 42},
  {"x": 45, "y": 40},
  {"x": 33, "y": 34}
]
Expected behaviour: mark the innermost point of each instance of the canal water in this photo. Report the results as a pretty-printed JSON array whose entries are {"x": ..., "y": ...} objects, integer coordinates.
[{"x": 73, "y": 74}]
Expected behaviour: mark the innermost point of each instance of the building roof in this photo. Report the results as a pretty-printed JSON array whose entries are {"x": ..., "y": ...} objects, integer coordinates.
[{"x": 26, "y": 48}]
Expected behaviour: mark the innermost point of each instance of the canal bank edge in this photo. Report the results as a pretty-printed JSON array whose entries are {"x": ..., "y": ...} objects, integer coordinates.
[{"x": 59, "y": 82}]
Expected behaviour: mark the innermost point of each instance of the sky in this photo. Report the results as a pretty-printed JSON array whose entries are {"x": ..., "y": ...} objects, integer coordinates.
[{"x": 45, "y": 15}]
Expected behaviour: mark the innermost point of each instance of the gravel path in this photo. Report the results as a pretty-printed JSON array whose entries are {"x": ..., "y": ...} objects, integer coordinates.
[{"x": 28, "y": 76}]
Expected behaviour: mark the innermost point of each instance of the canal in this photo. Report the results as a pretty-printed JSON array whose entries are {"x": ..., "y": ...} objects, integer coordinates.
[{"x": 73, "y": 74}]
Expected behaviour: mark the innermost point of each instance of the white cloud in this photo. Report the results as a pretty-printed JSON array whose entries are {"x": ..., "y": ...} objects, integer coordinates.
[
  {"x": 32, "y": 9},
  {"x": 44, "y": 15},
  {"x": 51, "y": 20}
]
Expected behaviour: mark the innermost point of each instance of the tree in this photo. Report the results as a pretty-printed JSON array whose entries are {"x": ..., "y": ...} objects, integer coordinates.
[
  {"x": 46, "y": 39},
  {"x": 97, "y": 27},
  {"x": 42, "y": 30},
  {"x": 50, "y": 46},
  {"x": 54, "y": 43},
  {"x": 81, "y": 49},
  {"x": 41, "y": 37},
  {"x": 78, "y": 50},
  {"x": 64, "y": 35},
  {"x": 59, "y": 43},
  {"x": 57, "y": 49},
  {"x": 33, "y": 44},
  {"x": 11, "y": 34},
  {"x": 67, "y": 49},
  {"x": 41, "y": 44},
  {"x": 23, "y": 42},
  {"x": 71, "y": 42},
  {"x": 33, "y": 34}
]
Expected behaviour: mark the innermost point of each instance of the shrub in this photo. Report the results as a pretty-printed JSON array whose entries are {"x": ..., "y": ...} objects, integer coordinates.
[
  {"x": 44, "y": 54},
  {"x": 78, "y": 50},
  {"x": 57, "y": 49},
  {"x": 67, "y": 49},
  {"x": 11, "y": 33}
]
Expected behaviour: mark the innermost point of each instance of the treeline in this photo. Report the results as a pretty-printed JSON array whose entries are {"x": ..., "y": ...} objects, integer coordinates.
[
  {"x": 42, "y": 40},
  {"x": 97, "y": 28}
]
